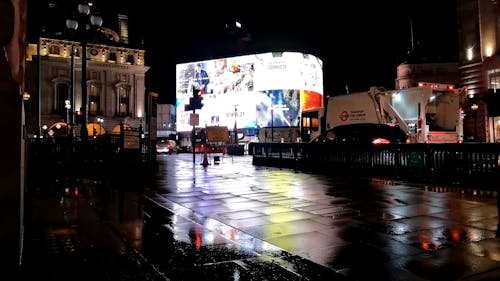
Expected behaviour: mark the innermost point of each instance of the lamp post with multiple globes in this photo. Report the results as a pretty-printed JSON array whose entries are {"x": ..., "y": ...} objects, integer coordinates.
[{"x": 84, "y": 24}]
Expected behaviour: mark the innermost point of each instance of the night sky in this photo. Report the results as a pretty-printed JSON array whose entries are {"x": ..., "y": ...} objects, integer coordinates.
[{"x": 361, "y": 44}]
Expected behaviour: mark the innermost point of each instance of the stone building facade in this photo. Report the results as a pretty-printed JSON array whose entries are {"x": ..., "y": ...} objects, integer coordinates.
[{"x": 115, "y": 85}]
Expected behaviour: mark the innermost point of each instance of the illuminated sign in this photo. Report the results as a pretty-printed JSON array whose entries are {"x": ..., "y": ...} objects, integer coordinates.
[{"x": 253, "y": 91}]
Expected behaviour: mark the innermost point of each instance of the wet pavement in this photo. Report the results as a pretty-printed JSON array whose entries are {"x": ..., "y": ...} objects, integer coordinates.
[
  {"x": 236, "y": 221},
  {"x": 68, "y": 238}
]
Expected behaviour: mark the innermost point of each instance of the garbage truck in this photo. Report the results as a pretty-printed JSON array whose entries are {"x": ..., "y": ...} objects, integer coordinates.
[{"x": 428, "y": 113}]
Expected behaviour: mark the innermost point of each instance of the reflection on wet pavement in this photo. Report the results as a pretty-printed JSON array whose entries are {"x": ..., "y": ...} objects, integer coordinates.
[{"x": 236, "y": 221}]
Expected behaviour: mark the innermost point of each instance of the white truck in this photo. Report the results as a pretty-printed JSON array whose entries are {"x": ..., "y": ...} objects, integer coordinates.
[{"x": 429, "y": 113}]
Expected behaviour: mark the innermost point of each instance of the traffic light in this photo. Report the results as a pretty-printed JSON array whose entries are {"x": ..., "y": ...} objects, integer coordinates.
[
  {"x": 197, "y": 99},
  {"x": 195, "y": 102},
  {"x": 78, "y": 117}
]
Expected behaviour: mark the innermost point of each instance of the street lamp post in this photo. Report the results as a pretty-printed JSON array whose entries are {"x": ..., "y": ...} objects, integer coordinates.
[
  {"x": 100, "y": 121},
  {"x": 235, "y": 124},
  {"x": 67, "y": 106},
  {"x": 39, "y": 85},
  {"x": 272, "y": 124},
  {"x": 474, "y": 108},
  {"x": 71, "y": 119},
  {"x": 84, "y": 11}
]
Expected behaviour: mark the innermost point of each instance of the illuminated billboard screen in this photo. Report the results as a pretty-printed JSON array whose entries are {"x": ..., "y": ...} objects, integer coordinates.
[{"x": 255, "y": 91}]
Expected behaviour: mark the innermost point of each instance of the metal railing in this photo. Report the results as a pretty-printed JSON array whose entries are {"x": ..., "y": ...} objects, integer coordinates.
[
  {"x": 447, "y": 163},
  {"x": 97, "y": 157}
]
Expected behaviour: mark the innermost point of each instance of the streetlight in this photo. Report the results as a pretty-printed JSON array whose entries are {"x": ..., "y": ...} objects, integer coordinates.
[
  {"x": 100, "y": 121},
  {"x": 95, "y": 20},
  {"x": 474, "y": 108},
  {"x": 43, "y": 130},
  {"x": 67, "y": 105}
]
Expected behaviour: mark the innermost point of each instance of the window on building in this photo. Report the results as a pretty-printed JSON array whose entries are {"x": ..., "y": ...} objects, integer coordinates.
[
  {"x": 494, "y": 79},
  {"x": 123, "y": 101},
  {"x": 94, "y": 99},
  {"x": 496, "y": 129},
  {"x": 123, "y": 28},
  {"x": 130, "y": 59},
  {"x": 62, "y": 94}
]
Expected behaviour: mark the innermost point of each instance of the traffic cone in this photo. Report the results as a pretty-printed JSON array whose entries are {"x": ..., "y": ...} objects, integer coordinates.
[{"x": 205, "y": 160}]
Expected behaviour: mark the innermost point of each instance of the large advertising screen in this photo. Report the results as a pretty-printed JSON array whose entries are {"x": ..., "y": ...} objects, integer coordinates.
[{"x": 253, "y": 91}]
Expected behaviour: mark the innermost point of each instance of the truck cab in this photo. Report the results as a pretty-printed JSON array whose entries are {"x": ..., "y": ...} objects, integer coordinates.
[{"x": 312, "y": 124}]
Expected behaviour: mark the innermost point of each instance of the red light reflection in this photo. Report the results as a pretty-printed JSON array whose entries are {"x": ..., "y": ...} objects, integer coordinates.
[{"x": 197, "y": 241}]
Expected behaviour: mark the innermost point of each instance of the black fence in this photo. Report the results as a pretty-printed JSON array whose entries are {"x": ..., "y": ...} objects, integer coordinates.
[
  {"x": 101, "y": 157},
  {"x": 475, "y": 163}
]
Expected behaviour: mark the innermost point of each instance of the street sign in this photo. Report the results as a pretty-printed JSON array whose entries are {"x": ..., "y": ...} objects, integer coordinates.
[{"x": 194, "y": 119}]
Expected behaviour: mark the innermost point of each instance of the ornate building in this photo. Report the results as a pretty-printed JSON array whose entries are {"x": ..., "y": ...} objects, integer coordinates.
[
  {"x": 165, "y": 122},
  {"x": 115, "y": 84},
  {"x": 114, "y": 68}
]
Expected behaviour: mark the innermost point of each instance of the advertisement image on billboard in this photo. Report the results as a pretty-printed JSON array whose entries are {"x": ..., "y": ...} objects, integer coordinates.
[{"x": 252, "y": 91}]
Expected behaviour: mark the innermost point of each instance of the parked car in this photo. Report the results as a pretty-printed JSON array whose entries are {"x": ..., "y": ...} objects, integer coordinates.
[
  {"x": 366, "y": 133},
  {"x": 166, "y": 146}
]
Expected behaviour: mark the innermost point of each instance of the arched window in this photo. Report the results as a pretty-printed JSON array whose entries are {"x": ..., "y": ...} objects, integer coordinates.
[
  {"x": 123, "y": 100},
  {"x": 62, "y": 94},
  {"x": 94, "y": 94}
]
